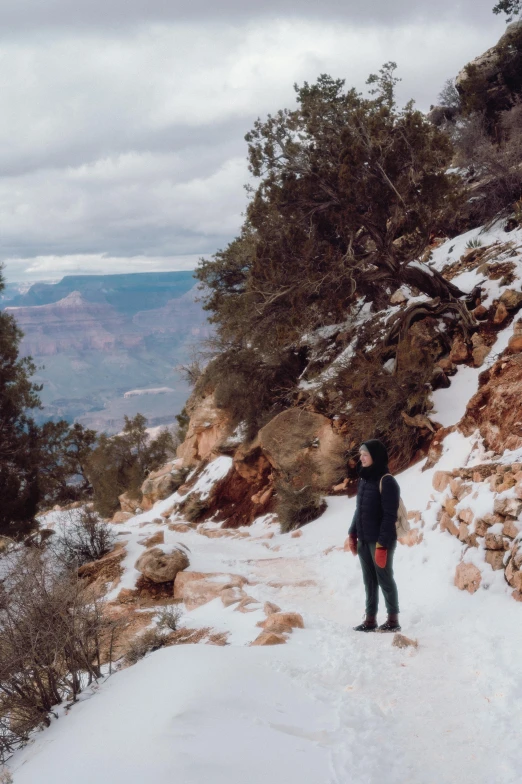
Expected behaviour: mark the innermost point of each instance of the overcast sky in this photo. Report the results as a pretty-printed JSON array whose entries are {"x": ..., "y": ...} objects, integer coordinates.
[{"x": 122, "y": 121}]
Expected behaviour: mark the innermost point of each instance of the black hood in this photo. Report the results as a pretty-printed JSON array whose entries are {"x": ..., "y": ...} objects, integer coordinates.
[{"x": 379, "y": 455}]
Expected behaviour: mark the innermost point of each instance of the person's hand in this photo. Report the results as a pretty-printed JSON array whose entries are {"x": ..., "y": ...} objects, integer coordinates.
[
  {"x": 351, "y": 544},
  {"x": 381, "y": 556}
]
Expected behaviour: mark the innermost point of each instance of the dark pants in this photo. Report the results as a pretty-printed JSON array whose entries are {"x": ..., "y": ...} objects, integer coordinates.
[{"x": 375, "y": 577}]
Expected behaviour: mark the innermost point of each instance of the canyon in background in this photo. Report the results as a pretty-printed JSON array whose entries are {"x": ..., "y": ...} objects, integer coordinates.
[{"x": 108, "y": 345}]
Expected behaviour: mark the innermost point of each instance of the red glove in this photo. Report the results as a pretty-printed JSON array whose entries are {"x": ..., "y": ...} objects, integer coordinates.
[
  {"x": 352, "y": 543},
  {"x": 381, "y": 556}
]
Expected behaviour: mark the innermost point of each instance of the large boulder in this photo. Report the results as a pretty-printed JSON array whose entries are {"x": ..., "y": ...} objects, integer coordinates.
[
  {"x": 304, "y": 445},
  {"x": 496, "y": 409},
  {"x": 208, "y": 427},
  {"x": 161, "y": 567},
  {"x": 159, "y": 485}
]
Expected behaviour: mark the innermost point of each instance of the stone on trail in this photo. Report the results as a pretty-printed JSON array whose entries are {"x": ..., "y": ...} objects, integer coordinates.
[
  {"x": 161, "y": 567},
  {"x": 282, "y": 622},
  {"x": 401, "y": 641},
  {"x": 269, "y": 638},
  {"x": 467, "y": 577}
]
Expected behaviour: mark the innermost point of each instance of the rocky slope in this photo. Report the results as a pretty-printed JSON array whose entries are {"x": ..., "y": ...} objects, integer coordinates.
[{"x": 309, "y": 447}]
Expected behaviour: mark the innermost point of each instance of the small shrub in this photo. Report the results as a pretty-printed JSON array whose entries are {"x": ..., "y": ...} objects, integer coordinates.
[
  {"x": 180, "y": 477},
  {"x": 5, "y": 776},
  {"x": 193, "y": 508},
  {"x": 191, "y": 372},
  {"x": 84, "y": 537},
  {"x": 50, "y": 638},
  {"x": 168, "y": 618},
  {"x": 474, "y": 243},
  {"x": 150, "y": 640},
  {"x": 297, "y": 506},
  {"x": 517, "y": 212},
  {"x": 250, "y": 387},
  {"x": 183, "y": 420}
]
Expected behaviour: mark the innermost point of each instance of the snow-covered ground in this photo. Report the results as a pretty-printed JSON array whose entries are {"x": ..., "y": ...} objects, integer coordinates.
[{"x": 330, "y": 706}]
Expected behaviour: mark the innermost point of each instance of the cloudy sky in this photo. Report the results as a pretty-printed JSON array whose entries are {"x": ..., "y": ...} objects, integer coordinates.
[{"x": 122, "y": 121}]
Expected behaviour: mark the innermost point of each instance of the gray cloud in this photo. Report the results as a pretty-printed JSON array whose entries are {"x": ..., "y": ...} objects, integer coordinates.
[
  {"x": 23, "y": 15},
  {"x": 124, "y": 139}
]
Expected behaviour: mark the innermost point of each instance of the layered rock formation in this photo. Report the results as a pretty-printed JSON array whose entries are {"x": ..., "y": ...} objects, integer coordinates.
[
  {"x": 72, "y": 324},
  {"x": 96, "y": 338}
]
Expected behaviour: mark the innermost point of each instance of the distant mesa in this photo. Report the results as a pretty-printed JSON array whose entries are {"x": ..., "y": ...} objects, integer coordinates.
[
  {"x": 106, "y": 346},
  {"x": 154, "y": 391},
  {"x": 128, "y": 293}
]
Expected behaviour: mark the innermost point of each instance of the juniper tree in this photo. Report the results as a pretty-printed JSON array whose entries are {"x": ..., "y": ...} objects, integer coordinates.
[
  {"x": 120, "y": 463},
  {"x": 18, "y": 432},
  {"x": 349, "y": 190},
  {"x": 64, "y": 453},
  {"x": 509, "y": 7}
]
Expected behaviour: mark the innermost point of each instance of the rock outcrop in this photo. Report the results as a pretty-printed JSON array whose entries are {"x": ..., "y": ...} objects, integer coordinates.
[
  {"x": 161, "y": 567},
  {"x": 496, "y": 409},
  {"x": 305, "y": 446},
  {"x": 497, "y": 71},
  {"x": 106, "y": 570},
  {"x": 160, "y": 484},
  {"x": 208, "y": 427}
]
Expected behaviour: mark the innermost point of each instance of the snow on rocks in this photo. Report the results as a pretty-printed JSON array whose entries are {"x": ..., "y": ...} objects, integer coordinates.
[
  {"x": 496, "y": 408},
  {"x": 479, "y": 506},
  {"x": 198, "y": 588},
  {"x": 162, "y": 567}
]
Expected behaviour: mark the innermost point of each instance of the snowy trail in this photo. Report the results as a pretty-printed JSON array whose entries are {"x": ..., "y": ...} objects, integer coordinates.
[
  {"x": 329, "y": 707},
  {"x": 434, "y": 715}
]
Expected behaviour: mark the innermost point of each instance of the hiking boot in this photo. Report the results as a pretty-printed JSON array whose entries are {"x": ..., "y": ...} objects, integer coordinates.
[
  {"x": 368, "y": 625},
  {"x": 391, "y": 625}
]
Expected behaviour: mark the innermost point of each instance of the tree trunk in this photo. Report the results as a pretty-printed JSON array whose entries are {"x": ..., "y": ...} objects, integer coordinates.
[
  {"x": 429, "y": 281},
  {"x": 420, "y": 310}
]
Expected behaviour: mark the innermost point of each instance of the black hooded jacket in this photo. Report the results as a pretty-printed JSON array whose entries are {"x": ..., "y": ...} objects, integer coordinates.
[{"x": 376, "y": 512}]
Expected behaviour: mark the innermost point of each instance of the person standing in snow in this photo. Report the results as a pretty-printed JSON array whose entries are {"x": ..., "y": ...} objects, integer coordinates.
[{"x": 373, "y": 536}]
